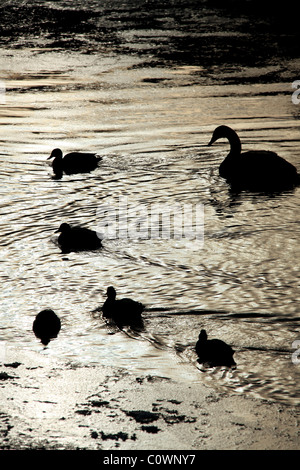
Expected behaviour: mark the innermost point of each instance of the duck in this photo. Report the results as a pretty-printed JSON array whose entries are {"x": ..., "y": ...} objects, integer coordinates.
[
  {"x": 214, "y": 352},
  {"x": 124, "y": 312},
  {"x": 46, "y": 326},
  {"x": 74, "y": 162},
  {"x": 75, "y": 238},
  {"x": 255, "y": 170}
]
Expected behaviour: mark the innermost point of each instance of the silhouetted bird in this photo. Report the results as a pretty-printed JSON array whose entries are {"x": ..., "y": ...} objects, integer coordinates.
[
  {"x": 124, "y": 312},
  {"x": 214, "y": 352},
  {"x": 46, "y": 326},
  {"x": 75, "y": 162},
  {"x": 256, "y": 170},
  {"x": 77, "y": 239}
]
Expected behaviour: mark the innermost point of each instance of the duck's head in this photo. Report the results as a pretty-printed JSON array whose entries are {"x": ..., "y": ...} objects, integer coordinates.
[
  {"x": 202, "y": 335},
  {"x": 56, "y": 153},
  {"x": 220, "y": 132},
  {"x": 64, "y": 227},
  {"x": 111, "y": 292}
]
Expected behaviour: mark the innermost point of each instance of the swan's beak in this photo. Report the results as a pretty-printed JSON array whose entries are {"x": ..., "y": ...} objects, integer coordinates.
[{"x": 212, "y": 140}]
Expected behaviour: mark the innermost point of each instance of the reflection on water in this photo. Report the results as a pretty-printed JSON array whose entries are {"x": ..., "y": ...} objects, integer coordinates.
[{"x": 151, "y": 124}]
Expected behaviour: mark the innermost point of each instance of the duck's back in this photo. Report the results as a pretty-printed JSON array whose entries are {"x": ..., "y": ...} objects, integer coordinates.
[
  {"x": 215, "y": 352},
  {"x": 46, "y": 325},
  {"x": 130, "y": 306},
  {"x": 79, "y": 239},
  {"x": 77, "y": 162},
  {"x": 123, "y": 311}
]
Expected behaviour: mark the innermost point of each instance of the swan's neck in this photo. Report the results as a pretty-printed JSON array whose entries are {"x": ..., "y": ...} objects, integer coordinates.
[{"x": 235, "y": 144}]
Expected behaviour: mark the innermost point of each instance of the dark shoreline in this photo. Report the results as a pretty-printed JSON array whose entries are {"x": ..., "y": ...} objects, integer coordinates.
[{"x": 204, "y": 34}]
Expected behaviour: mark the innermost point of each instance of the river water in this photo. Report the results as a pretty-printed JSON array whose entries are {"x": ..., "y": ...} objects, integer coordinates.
[{"x": 144, "y": 86}]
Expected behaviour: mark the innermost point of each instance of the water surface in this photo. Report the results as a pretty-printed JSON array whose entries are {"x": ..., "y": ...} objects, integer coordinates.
[{"x": 146, "y": 91}]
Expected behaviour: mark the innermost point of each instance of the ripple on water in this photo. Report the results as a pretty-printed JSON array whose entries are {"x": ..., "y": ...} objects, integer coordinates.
[{"x": 152, "y": 136}]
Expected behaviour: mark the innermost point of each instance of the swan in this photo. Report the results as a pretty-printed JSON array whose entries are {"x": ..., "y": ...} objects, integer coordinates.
[
  {"x": 77, "y": 238},
  {"x": 74, "y": 162},
  {"x": 122, "y": 311},
  {"x": 214, "y": 352},
  {"x": 256, "y": 170}
]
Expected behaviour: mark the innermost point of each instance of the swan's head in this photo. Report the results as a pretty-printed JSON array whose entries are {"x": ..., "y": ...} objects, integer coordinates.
[
  {"x": 56, "y": 153},
  {"x": 221, "y": 132},
  {"x": 111, "y": 292},
  {"x": 64, "y": 227}
]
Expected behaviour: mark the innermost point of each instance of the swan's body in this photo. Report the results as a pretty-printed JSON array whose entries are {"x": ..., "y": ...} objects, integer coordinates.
[
  {"x": 214, "y": 352},
  {"x": 124, "y": 312},
  {"x": 46, "y": 326},
  {"x": 256, "y": 170},
  {"x": 75, "y": 162},
  {"x": 77, "y": 239}
]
